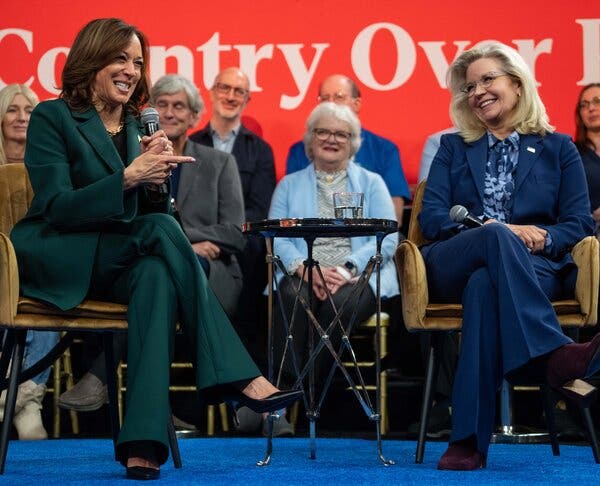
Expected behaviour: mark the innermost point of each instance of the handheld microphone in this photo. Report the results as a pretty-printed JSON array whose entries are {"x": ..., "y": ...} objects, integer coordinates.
[
  {"x": 149, "y": 118},
  {"x": 460, "y": 214}
]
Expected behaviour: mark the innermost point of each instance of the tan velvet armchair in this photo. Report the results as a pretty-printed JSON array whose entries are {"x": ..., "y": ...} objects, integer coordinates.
[
  {"x": 19, "y": 314},
  {"x": 422, "y": 315}
]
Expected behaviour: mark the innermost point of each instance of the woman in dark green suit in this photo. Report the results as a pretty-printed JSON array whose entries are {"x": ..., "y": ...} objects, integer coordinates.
[{"x": 97, "y": 227}]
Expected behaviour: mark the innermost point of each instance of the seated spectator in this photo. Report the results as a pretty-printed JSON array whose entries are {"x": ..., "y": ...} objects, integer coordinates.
[
  {"x": 587, "y": 140},
  {"x": 17, "y": 102},
  {"x": 430, "y": 148},
  {"x": 332, "y": 138},
  {"x": 226, "y": 131},
  {"x": 376, "y": 153}
]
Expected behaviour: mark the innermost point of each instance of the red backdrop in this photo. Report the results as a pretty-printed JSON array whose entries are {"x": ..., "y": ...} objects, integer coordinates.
[{"x": 397, "y": 51}]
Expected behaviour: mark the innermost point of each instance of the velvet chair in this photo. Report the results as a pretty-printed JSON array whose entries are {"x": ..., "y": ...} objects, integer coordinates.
[
  {"x": 421, "y": 315},
  {"x": 19, "y": 314}
]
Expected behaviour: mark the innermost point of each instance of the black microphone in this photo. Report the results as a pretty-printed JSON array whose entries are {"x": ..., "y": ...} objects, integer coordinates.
[
  {"x": 149, "y": 118},
  {"x": 460, "y": 214}
]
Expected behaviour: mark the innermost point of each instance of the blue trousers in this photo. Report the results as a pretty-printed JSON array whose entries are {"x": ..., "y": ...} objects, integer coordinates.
[{"x": 508, "y": 319}]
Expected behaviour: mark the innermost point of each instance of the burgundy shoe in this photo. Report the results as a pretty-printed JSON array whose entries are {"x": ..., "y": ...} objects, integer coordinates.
[
  {"x": 573, "y": 361},
  {"x": 462, "y": 457}
]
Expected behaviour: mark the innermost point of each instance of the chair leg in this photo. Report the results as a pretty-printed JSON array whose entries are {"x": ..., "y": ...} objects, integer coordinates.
[
  {"x": 56, "y": 375},
  {"x": 549, "y": 412},
  {"x": 173, "y": 442},
  {"x": 432, "y": 364},
  {"x": 66, "y": 357},
  {"x": 111, "y": 384},
  {"x": 589, "y": 424},
  {"x": 210, "y": 420},
  {"x": 224, "y": 415},
  {"x": 16, "y": 350}
]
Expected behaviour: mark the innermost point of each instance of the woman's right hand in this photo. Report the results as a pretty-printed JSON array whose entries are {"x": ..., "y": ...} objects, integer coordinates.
[
  {"x": 333, "y": 281},
  {"x": 153, "y": 166}
]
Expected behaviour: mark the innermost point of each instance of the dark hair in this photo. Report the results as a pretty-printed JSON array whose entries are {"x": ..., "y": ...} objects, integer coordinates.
[
  {"x": 581, "y": 137},
  {"x": 94, "y": 48}
]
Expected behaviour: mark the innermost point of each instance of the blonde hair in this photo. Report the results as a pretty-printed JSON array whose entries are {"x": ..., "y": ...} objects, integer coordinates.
[
  {"x": 7, "y": 95},
  {"x": 529, "y": 115}
]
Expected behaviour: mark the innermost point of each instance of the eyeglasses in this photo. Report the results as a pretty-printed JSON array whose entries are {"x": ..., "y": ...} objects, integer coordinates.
[
  {"x": 585, "y": 104},
  {"x": 335, "y": 97},
  {"x": 485, "y": 82},
  {"x": 225, "y": 89},
  {"x": 339, "y": 136}
]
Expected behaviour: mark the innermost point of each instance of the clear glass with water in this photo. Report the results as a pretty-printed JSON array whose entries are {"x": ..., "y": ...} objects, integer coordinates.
[{"x": 348, "y": 205}]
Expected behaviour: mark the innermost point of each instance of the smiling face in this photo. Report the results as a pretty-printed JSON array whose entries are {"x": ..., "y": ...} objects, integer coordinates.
[
  {"x": 175, "y": 115},
  {"x": 115, "y": 83},
  {"x": 589, "y": 109},
  {"x": 494, "y": 104},
  {"x": 332, "y": 153},
  {"x": 230, "y": 94},
  {"x": 14, "y": 123}
]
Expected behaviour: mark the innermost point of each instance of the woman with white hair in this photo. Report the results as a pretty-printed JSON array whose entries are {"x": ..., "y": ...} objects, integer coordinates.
[
  {"x": 331, "y": 139},
  {"x": 508, "y": 167},
  {"x": 17, "y": 101}
]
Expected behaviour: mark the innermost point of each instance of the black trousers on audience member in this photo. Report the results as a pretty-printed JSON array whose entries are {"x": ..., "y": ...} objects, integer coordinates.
[{"x": 324, "y": 313}]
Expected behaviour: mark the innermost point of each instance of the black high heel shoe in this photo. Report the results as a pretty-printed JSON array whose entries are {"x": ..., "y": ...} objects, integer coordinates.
[
  {"x": 275, "y": 401},
  {"x": 143, "y": 450}
]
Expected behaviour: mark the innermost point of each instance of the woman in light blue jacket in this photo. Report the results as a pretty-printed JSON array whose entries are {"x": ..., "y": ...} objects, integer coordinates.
[{"x": 332, "y": 138}]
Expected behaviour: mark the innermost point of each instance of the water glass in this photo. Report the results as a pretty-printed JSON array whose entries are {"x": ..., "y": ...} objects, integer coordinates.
[{"x": 348, "y": 204}]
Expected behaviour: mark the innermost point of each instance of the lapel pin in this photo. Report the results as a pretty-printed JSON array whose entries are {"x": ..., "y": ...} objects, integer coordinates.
[{"x": 531, "y": 149}]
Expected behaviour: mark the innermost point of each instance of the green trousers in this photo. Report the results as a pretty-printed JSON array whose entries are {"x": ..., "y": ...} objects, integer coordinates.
[{"x": 150, "y": 265}]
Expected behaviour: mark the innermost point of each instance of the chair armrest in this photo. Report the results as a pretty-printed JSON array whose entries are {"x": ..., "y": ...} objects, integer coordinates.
[
  {"x": 413, "y": 284},
  {"x": 9, "y": 281},
  {"x": 585, "y": 255}
]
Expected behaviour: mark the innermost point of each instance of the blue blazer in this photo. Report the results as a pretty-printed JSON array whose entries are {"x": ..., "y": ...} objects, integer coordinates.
[{"x": 550, "y": 189}]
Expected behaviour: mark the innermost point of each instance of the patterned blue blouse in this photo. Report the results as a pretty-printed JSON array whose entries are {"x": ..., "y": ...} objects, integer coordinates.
[{"x": 503, "y": 157}]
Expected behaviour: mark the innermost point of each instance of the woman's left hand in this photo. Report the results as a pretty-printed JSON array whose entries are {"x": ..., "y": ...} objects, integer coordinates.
[
  {"x": 533, "y": 237},
  {"x": 157, "y": 139},
  {"x": 333, "y": 279}
]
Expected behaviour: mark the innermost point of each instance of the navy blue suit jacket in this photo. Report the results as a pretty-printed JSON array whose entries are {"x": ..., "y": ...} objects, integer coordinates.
[{"x": 550, "y": 189}]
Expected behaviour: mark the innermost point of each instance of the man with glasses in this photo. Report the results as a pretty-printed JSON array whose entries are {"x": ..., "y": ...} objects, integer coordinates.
[
  {"x": 229, "y": 96},
  {"x": 376, "y": 153}
]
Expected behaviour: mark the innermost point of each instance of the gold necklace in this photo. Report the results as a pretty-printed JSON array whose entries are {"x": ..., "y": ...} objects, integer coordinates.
[{"x": 113, "y": 132}]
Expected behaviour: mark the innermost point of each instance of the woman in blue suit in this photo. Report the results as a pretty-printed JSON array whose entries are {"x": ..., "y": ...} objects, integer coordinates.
[{"x": 507, "y": 167}]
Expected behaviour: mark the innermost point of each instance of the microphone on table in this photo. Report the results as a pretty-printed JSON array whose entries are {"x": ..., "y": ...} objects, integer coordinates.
[
  {"x": 460, "y": 214},
  {"x": 149, "y": 118}
]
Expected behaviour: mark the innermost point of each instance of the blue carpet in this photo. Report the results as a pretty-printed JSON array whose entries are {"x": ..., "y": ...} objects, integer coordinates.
[{"x": 232, "y": 461}]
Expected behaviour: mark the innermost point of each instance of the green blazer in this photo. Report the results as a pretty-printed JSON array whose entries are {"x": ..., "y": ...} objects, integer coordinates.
[{"x": 77, "y": 178}]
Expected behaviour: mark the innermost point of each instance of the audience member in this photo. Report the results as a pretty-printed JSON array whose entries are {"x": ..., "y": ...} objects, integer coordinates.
[
  {"x": 17, "y": 101},
  {"x": 376, "y": 153},
  {"x": 97, "y": 227},
  {"x": 331, "y": 139},
  {"x": 229, "y": 96},
  {"x": 506, "y": 271},
  {"x": 430, "y": 148},
  {"x": 587, "y": 140},
  {"x": 439, "y": 423}
]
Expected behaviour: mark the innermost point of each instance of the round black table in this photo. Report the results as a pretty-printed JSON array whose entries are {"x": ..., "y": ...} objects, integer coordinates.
[{"x": 310, "y": 229}]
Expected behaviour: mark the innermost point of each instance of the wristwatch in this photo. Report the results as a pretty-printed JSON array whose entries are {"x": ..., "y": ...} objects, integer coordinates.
[{"x": 350, "y": 267}]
